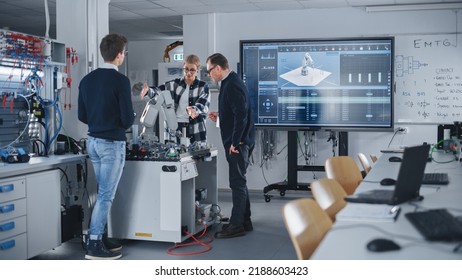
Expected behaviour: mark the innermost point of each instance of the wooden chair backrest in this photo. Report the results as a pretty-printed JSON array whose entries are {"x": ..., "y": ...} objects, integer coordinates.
[
  {"x": 307, "y": 224},
  {"x": 373, "y": 158},
  {"x": 345, "y": 170},
  {"x": 330, "y": 195},
  {"x": 364, "y": 162}
]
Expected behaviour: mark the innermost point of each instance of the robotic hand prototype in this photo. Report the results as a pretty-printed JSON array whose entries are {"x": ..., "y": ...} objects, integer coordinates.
[{"x": 160, "y": 101}]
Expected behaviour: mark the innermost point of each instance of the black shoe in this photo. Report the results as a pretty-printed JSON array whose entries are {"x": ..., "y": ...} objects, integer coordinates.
[
  {"x": 111, "y": 244},
  {"x": 247, "y": 226},
  {"x": 97, "y": 251},
  {"x": 230, "y": 231}
]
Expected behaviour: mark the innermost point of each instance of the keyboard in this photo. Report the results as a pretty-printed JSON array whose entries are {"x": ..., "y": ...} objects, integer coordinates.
[
  {"x": 436, "y": 225},
  {"x": 396, "y": 151},
  {"x": 435, "y": 179}
]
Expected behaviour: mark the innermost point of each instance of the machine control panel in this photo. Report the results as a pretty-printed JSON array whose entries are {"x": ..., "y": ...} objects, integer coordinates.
[{"x": 188, "y": 171}]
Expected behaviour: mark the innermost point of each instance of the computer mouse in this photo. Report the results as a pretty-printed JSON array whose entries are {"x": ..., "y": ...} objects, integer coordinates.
[
  {"x": 395, "y": 159},
  {"x": 382, "y": 245},
  {"x": 388, "y": 182}
]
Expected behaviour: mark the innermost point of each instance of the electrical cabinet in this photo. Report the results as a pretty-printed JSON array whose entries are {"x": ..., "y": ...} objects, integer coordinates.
[
  {"x": 156, "y": 200},
  {"x": 30, "y": 212}
]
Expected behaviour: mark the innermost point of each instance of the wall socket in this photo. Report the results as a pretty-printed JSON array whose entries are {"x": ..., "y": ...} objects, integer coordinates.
[{"x": 405, "y": 130}]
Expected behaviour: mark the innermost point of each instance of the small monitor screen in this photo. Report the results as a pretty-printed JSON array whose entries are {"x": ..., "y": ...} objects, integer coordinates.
[{"x": 343, "y": 84}]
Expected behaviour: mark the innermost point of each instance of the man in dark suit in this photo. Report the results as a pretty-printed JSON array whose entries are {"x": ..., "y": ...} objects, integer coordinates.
[{"x": 238, "y": 137}]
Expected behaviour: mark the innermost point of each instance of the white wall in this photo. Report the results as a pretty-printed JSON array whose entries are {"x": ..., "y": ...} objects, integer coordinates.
[
  {"x": 145, "y": 56},
  {"x": 223, "y": 32},
  {"x": 76, "y": 36}
]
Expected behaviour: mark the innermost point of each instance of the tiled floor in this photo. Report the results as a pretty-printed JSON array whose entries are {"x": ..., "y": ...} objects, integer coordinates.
[{"x": 268, "y": 241}]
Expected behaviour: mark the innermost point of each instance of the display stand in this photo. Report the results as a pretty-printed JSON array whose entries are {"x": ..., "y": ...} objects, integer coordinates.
[{"x": 293, "y": 168}]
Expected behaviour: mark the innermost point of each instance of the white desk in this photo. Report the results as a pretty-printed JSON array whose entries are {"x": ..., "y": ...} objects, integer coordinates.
[
  {"x": 37, "y": 164},
  {"x": 348, "y": 239}
]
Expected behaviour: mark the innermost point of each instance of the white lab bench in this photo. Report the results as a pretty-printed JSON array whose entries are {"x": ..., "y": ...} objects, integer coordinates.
[
  {"x": 30, "y": 206},
  {"x": 155, "y": 200}
]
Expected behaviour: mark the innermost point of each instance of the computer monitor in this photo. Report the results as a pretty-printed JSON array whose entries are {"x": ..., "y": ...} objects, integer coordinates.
[{"x": 344, "y": 84}]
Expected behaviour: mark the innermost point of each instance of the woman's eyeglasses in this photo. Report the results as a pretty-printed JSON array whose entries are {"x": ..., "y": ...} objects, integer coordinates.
[{"x": 192, "y": 70}]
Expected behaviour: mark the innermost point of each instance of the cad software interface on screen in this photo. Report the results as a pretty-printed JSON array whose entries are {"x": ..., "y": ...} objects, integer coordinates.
[{"x": 335, "y": 83}]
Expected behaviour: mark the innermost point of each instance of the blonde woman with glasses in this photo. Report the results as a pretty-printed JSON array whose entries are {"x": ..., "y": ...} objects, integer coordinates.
[{"x": 191, "y": 97}]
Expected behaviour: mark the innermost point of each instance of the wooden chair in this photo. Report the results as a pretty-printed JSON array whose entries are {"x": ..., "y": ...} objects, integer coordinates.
[
  {"x": 329, "y": 194},
  {"x": 373, "y": 158},
  {"x": 307, "y": 225},
  {"x": 364, "y": 162},
  {"x": 345, "y": 170}
]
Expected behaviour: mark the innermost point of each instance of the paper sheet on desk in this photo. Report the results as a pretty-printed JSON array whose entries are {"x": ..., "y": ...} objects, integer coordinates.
[{"x": 368, "y": 212}]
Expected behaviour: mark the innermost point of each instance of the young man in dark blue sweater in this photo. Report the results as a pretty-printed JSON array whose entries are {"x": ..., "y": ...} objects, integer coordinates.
[
  {"x": 238, "y": 137},
  {"x": 105, "y": 106}
]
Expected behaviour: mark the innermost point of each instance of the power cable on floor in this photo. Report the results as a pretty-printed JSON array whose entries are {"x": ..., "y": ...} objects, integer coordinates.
[{"x": 196, "y": 242}]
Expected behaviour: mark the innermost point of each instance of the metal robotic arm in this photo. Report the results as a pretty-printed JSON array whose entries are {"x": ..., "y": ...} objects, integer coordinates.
[{"x": 160, "y": 101}]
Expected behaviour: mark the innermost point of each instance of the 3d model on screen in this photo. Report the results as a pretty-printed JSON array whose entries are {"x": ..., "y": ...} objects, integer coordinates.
[
  {"x": 306, "y": 62},
  {"x": 308, "y": 74}
]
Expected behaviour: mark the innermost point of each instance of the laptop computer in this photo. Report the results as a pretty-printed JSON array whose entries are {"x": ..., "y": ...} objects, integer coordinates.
[{"x": 408, "y": 183}]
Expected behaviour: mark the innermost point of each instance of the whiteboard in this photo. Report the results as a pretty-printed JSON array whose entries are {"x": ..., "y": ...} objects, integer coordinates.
[{"x": 428, "y": 78}]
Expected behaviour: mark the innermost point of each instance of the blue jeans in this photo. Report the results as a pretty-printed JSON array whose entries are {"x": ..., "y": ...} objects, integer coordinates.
[
  {"x": 108, "y": 158},
  {"x": 238, "y": 164}
]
